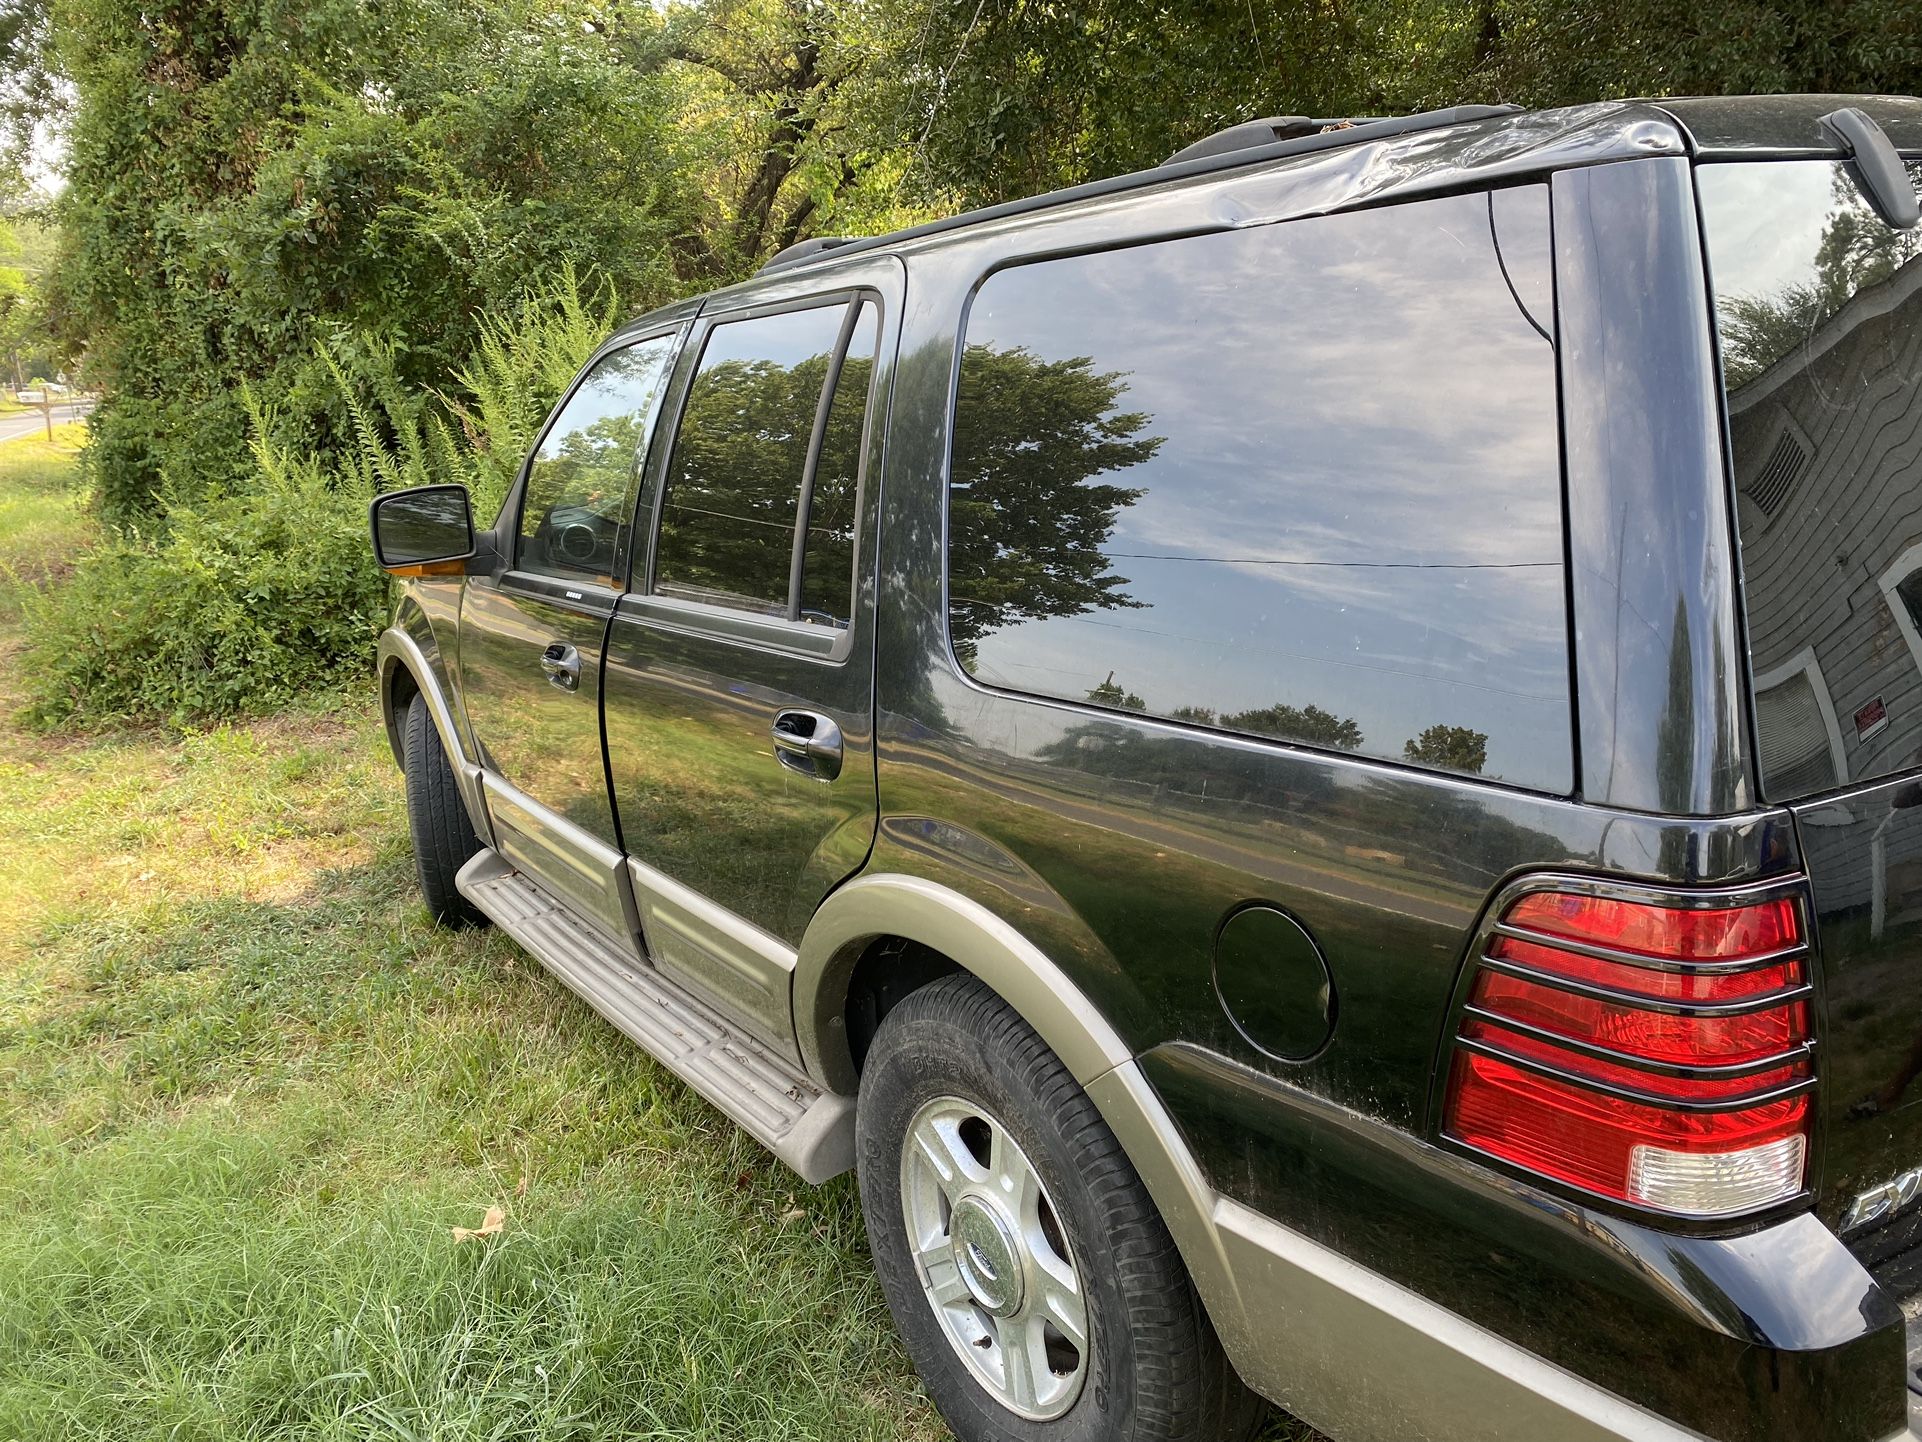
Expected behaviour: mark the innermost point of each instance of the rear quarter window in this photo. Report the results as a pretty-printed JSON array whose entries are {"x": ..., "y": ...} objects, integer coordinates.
[
  {"x": 1819, "y": 308},
  {"x": 1299, "y": 481}
]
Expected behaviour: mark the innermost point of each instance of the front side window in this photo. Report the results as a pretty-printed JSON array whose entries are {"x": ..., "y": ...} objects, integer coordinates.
[
  {"x": 1819, "y": 306},
  {"x": 576, "y": 505},
  {"x": 1297, "y": 481}
]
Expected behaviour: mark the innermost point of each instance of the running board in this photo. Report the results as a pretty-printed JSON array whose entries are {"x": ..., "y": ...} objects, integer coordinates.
[{"x": 773, "y": 1101}]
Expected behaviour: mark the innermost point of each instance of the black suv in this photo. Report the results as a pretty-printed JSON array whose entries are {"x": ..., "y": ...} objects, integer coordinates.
[{"x": 1307, "y": 759}]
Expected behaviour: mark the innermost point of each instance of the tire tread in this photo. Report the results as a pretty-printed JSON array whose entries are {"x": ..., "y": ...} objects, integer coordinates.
[{"x": 443, "y": 833}]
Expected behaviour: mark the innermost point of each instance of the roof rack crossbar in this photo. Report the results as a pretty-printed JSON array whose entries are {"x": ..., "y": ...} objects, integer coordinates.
[
  {"x": 806, "y": 250},
  {"x": 1274, "y": 128}
]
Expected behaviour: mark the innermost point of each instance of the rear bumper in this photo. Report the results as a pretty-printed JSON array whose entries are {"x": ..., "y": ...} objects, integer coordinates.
[
  {"x": 1369, "y": 1358},
  {"x": 1773, "y": 1336}
]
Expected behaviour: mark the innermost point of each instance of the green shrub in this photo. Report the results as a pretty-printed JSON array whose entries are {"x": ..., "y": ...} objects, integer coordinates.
[
  {"x": 522, "y": 360},
  {"x": 244, "y": 603}
]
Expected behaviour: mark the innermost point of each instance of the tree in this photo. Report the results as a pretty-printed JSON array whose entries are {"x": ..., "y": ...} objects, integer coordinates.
[
  {"x": 1110, "y": 693},
  {"x": 1308, "y": 724},
  {"x": 1451, "y": 748},
  {"x": 1028, "y": 515},
  {"x": 250, "y": 181},
  {"x": 1857, "y": 250},
  {"x": 769, "y": 117},
  {"x": 1011, "y": 97}
]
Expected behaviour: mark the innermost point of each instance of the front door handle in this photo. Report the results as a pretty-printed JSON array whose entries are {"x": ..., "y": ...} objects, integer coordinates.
[
  {"x": 562, "y": 663},
  {"x": 808, "y": 742}
]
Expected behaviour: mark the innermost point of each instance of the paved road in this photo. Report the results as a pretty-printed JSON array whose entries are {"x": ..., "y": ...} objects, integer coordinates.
[{"x": 32, "y": 423}]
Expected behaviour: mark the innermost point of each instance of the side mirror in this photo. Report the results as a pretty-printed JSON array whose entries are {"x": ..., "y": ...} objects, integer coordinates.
[{"x": 428, "y": 531}]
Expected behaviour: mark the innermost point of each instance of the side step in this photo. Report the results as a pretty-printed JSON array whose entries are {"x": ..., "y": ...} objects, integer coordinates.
[{"x": 767, "y": 1095}]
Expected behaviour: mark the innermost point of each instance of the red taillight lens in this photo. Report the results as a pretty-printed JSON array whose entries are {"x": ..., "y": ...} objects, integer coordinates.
[
  {"x": 1658, "y": 1036},
  {"x": 1647, "y": 1050},
  {"x": 1733, "y": 933}
]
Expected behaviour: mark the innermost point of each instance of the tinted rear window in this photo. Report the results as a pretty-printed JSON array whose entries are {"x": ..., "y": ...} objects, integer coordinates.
[
  {"x": 1298, "y": 481},
  {"x": 734, "y": 480},
  {"x": 1819, "y": 305}
]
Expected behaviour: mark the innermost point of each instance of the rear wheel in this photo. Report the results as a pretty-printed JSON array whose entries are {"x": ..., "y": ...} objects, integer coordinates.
[
  {"x": 1038, "y": 1292},
  {"x": 444, "y": 839}
]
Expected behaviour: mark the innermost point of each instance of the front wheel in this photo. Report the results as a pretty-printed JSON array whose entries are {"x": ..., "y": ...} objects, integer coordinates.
[
  {"x": 444, "y": 839},
  {"x": 1034, "y": 1284}
]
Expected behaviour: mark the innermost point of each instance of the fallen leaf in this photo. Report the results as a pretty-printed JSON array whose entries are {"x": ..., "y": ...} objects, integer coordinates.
[
  {"x": 492, "y": 1225},
  {"x": 794, "y": 1215}
]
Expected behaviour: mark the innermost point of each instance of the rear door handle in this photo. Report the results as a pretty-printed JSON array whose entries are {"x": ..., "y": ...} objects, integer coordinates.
[
  {"x": 808, "y": 742},
  {"x": 562, "y": 663}
]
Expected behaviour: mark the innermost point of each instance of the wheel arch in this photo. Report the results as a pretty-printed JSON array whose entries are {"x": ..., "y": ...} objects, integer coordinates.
[
  {"x": 874, "y": 910},
  {"x": 405, "y": 672},
  {"x": 877, "y": 909}
]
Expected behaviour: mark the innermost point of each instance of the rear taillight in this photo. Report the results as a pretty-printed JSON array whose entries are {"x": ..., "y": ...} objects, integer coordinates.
[{"x": 1657, "y": 1051}]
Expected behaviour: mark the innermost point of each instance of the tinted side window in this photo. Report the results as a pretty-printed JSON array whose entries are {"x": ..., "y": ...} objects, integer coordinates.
[
  {"x": 1301, "y": 481},
  {"x": 1819, "y": 305},
  {"x": 827, "y": 562},
  {"x": 576, "y": 506},
  {"x": 734, "y": 480}
]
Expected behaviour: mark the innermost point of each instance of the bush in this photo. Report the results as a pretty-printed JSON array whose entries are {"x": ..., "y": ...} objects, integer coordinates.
[{"x": 244, "y": 603}]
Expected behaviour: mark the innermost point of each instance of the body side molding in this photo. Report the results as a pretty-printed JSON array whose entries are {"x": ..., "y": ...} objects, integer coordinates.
[
  {"x": 973, "y": 937},
  {"x": 398, "y": 649}
]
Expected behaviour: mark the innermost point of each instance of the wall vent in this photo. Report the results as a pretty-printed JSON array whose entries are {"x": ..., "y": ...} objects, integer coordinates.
[{"x": 1787, "y": 459}]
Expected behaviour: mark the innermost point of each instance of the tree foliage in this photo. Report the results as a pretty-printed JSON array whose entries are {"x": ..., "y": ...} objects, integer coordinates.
[
  {"x": 1028, "y": 512},
  {"x": 301, "y": 228},
  {"x": 1010, "y": 97},
  {"x": 1452, "y": 748}
]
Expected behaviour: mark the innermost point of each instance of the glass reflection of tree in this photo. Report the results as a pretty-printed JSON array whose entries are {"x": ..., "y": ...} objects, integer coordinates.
[
  {"x": 1449, "y": 748},
  {"x": 592, "y": 467},
  {"x": 1111, "y": 693},
  {"x": 828, "y": 568},
  {"x": 728, "y": 516},
  {"x": 583, "y": 483},
  {"x": 1027, "y": 520},
  {"x": 1858, "y": 250},
  {"x": 1308, "y": 724}
]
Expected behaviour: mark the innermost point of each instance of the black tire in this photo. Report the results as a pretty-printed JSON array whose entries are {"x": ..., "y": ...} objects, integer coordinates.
[
  {"x": 444, "y": 839},
  {"x": 1157, "y": 1371}
]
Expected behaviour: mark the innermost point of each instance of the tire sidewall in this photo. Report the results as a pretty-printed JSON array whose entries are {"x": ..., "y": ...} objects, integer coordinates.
[{"x": 934, "y": 1060}]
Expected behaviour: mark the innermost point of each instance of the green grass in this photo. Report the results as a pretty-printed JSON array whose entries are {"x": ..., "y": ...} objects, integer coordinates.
[
  {"x": 41, "y": 525},
  {"x": 247, "y": 1090}
]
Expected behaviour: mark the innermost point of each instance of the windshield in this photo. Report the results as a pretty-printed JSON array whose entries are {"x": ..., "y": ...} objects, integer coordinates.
[{"x": 1819, "y": 307}]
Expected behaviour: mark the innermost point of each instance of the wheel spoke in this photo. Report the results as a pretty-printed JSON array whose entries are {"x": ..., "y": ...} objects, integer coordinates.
[
  {"x": 1022, "y": 1364},
  {"x": 943, "y": 1280},
  {"x": 939, "y": 1144},
  {"x": 1062, "y": 1303},
  {"x": 1011, "y": 1176}
]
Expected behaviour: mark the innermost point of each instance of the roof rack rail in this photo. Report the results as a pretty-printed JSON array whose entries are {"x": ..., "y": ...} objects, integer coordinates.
[
  {"x": 805, "y": 250},
  {"x": 1251, "y": 133},
  {"x": 1257, "y": 148}
]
